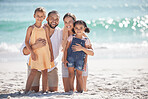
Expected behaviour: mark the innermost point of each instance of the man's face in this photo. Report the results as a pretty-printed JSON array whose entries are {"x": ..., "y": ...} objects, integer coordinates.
[{"x": 53, "y": 20}]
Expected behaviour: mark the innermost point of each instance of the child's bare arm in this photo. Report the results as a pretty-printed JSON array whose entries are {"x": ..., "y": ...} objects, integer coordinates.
[
  {"x": 49, "y": 43},
  {"x": 28, "y": 35}
]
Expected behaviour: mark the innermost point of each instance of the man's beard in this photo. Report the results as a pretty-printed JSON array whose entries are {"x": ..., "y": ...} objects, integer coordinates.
[{"x": 52, "y": 26}]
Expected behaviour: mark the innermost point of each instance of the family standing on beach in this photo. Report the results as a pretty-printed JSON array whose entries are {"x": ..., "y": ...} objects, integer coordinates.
[{"x": 44, "y": 43}]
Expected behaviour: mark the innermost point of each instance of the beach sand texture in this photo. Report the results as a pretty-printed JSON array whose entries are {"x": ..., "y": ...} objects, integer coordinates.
[
  {"x": 108, "y": 79},
  {"x": 119, "y": 37}
]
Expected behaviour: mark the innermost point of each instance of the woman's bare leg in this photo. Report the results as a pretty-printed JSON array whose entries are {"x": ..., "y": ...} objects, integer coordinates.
[{"x": 66, "y": 84}]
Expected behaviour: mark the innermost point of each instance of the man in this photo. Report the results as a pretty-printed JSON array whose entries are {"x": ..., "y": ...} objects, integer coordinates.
[{"x": 56, "y": 39}]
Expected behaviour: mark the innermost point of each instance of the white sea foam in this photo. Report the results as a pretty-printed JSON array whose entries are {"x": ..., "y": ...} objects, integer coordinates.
[
  {"x": 120, "y": 50},
  {"x": 144, "y": 44},
  {"x": 5, "y": 47}
]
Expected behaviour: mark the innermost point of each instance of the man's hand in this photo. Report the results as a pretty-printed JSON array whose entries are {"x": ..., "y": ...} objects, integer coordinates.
[
  {"x": 40, "y": 43},
  {"x": 77, "y": 47}
]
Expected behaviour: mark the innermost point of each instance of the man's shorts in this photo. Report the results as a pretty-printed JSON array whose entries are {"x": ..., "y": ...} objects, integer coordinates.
[
  {"x": 52, "y": 77},
  {"x": 65, "y": 71}
]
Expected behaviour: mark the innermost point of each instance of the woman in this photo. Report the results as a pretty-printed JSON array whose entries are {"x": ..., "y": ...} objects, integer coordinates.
[{"x": 69, "y": 19}]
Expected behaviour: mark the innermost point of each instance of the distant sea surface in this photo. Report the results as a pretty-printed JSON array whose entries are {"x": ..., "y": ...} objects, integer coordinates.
[{"x": 119, "y": 28}]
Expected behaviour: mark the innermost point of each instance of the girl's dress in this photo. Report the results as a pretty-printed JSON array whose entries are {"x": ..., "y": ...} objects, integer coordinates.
[{"x": 42, "y": 54}]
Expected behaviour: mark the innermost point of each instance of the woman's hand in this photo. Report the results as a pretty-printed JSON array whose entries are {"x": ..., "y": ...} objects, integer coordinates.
[
  {"x": 65, "y": 29},
  {"x": 65, "y": 63},
  {"x": 84, "y": 67},
  {"x": 77, "y": 47}
]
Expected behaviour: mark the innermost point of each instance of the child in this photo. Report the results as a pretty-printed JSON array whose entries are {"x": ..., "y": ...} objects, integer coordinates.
[
  {"x": 76, "y": 60},
  {"x": 40, "y": 58}
]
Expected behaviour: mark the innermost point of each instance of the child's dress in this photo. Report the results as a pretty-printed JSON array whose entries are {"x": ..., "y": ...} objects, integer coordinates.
[{"x": 42, "y": 54}]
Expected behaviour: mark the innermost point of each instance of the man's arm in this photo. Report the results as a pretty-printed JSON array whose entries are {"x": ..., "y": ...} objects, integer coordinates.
[
  {"x": 38, "y": 44},
  {"x": 49, "y": 43},
  {"x": 26, "y": 51}
]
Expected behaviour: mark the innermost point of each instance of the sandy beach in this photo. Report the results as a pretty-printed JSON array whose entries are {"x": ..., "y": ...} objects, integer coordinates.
[
  {"x": 119, "y": 38},
  {"x": 108, "y": 79}
]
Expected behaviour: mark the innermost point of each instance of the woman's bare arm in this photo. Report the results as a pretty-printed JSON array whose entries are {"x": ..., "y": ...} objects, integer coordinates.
[
  {"x": 88, "y": 51},
  {"x": 65, "y": 53}
]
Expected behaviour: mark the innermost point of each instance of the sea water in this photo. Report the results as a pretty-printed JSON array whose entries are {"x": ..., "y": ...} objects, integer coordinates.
[{"x": 119, "y": 28}]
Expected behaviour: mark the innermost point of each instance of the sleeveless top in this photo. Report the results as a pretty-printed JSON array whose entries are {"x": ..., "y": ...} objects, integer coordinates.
[{"x": 42, "y": 54}]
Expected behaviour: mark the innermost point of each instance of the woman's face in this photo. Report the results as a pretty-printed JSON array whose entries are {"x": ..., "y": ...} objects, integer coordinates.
[{"x": 68, "y": 22}]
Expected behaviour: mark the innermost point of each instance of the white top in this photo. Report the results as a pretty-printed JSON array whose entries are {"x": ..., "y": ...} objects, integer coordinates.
[
  {"x": 87, "y": 41},
  {"x": 56, "y": 40}
]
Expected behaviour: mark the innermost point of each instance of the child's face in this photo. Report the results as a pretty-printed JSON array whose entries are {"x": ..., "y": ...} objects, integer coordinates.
[
  {"x": 68, "y": 22},
  {"x": 79, "y": 29},
  {"x": 53, "y": 20},
  {"x": 39, "y": 16}
]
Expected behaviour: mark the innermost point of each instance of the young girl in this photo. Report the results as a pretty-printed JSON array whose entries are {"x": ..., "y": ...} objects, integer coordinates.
[
  {"x": 76, "y": 60},
  {"x": 42, "y": 58}
]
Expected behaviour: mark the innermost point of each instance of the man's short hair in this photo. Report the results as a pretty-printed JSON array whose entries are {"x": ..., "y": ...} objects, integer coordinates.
[{"x": 53, "y": 11}]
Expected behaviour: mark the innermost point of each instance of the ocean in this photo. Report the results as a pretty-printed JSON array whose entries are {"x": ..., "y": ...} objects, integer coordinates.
[{"x": 119, "y": 28}]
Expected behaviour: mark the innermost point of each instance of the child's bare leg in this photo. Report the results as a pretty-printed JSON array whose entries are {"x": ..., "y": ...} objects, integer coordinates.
[
  {"x": 80, "y": 80},
  {"x": 77, "y": 84},
  {"x": 30, "y": 79},
  {"x": 35, "y": 88},
  {"x": 84, "y": 82},
  {"x": 71, "y": 77},
  {"x": 44, "y": 80}
]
